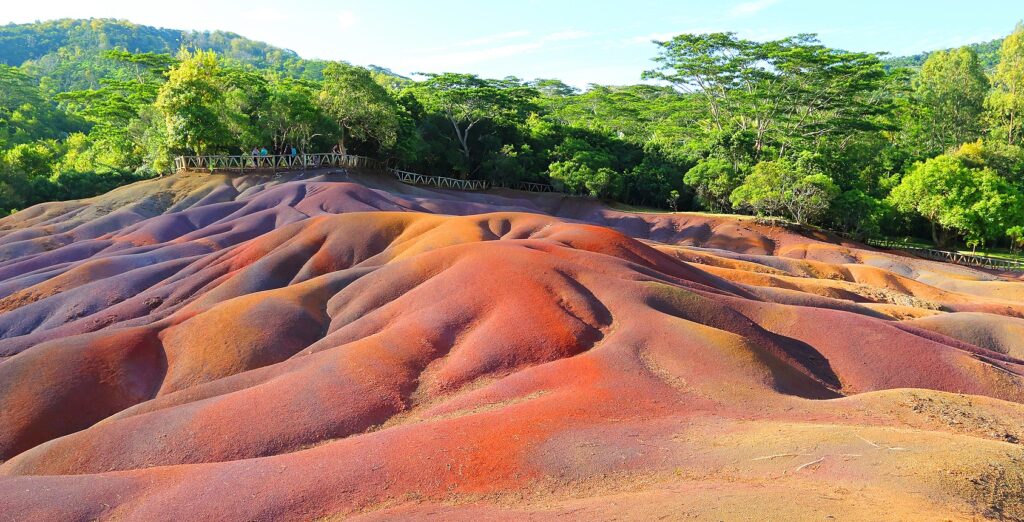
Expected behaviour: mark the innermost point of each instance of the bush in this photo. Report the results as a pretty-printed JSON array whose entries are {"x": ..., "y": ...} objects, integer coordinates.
[
  {"x": 713, "y": 180},
  {"x": 790, "y": 188}
]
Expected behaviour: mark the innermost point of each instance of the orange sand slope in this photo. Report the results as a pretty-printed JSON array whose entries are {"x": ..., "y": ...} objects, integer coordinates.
[{"x": 332, "y": 345}]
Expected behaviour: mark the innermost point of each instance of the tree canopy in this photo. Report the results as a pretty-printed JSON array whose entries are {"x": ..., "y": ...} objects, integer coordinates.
[{"x": 786, "y": 128}]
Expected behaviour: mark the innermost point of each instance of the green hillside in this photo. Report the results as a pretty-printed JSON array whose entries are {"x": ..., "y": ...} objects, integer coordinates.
[
  {"x": 927, "y": 145},
  {"x": 988, "y": 54},
  {"x": 66, "y": 51}
]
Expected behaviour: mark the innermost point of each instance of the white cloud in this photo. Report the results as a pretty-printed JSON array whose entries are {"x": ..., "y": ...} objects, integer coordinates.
[
  {"x": 347, "y": 19},
  {"x": 511, "y": 35},
  {"x": 563, "y": 36},
  {"x": 504, "y": 45},
  {"x": 661, "y": 37},
  {"x": 265, "y": 15},
  {"x": 758, "y": 35},
  {"x": 751, "y": 8},
  {"x": 457, "y": 60}
]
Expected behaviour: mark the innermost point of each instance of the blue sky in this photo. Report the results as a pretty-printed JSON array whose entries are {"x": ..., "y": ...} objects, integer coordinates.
[{"x": 599, "y": 41}]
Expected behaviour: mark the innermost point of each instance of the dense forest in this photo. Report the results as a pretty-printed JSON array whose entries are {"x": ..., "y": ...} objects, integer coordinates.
[
  {"x": 988, "y": 55},
  {"x": 927, "y": 146}
]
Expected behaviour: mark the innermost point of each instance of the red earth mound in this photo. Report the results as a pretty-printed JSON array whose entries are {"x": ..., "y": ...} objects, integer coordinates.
[{"x": 330, "y": 346}]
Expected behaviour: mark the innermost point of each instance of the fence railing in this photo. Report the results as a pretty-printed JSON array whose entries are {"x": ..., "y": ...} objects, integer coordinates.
[
  {"x": 413, "y": 178},
  {"x": 950, "y": 256},
  {"x": 527, "y": 186},
  {"x": 244, "y": 162},
  {"x": 241, "y": 163}
]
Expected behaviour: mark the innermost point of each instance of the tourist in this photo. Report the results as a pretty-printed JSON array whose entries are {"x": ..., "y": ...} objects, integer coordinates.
[{"x": 263, "y": 151}]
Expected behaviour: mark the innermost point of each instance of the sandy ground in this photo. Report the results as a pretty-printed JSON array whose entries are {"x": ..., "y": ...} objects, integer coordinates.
[{"x": 339, "y": 345}]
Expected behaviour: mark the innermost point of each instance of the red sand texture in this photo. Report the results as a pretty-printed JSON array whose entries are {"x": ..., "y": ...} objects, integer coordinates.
[{"x": 211, "y": 348}]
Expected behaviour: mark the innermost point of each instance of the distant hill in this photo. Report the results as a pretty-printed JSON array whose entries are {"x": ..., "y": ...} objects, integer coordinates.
[
  {"x": 20, "y": 43},
  {"x": 988, "y": 53},
  {"x": 66, "y": 52}
]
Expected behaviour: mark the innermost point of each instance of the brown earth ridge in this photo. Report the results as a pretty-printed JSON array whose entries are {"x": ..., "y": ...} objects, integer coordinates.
[{"x": 337, "y": 345}]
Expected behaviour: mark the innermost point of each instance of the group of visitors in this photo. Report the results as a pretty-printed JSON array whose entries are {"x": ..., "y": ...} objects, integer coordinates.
[{"x": 286, "y": 150}]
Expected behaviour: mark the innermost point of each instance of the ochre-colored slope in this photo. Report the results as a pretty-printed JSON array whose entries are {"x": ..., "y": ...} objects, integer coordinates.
[{"x": 255, "y": 348}]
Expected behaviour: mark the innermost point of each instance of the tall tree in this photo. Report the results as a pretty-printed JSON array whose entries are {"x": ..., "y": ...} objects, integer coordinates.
[
  {"x": 362, "y": 108},
  {"x": 294, "y": 114},
  {"x": 712, "y": 66},
  {"x": 949, "y": 96},
  {"x": 466, "y": 100},
  {"x": 114, "y": 109},
  {"x": 194, "y": 106},
  {"x": 25, "y": 114},
  {"x": 794, "y": 188},
  {"x": 1006, "y": 102},
  {"x": 956, "y": 198},
  {"x": 784, "y": 93}
]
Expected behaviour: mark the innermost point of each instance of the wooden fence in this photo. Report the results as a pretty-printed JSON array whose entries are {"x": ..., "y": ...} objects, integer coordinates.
[
  {"x": 252, "y": 162},
  {"x": 949, "y": 256},
  {"x": 527, "y": 186},
  {"x": 413, "y": 178},
  {"x": 255, "y": 163}
]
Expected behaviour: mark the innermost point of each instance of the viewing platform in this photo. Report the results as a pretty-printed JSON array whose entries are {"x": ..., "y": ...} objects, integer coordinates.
[{"x": 241, "y": 164}]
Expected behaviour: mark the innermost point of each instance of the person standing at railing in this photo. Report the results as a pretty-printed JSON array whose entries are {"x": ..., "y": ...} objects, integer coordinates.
[
  {"x": 263, "y": 151},
  {"x": 294, "y": 151}
]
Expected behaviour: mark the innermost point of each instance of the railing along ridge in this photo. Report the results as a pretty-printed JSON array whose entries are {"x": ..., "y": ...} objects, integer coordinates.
[
  {"x": 413, "y": 178},
  {"x": 242, "y": 162},
  {"x": 959, "y": 258}
]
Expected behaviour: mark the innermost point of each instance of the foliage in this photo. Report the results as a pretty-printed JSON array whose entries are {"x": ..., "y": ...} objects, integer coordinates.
[
  {"x": 194, "y": 105},
  {"x": 858, "y": 214},
  {"x": 1006, "y": 101},
  {"x": 787, "y": 127},
  {"x": 949, "y": 96},
  {"x": 988, "y": 54},
  {"x": 466, "y": 101},
  {"x": 787, "y": 93},
  {"x": 713, "y": 180},
  {"x": 957, "y": 198},
  {"x": 360, "y": 107},
  {"x": 784, "y": 187}
]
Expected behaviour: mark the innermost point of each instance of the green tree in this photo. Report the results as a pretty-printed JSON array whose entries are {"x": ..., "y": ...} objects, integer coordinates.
[
  {"x": 1006, "y": 102},
  {"x": 1005, "y": 160},
  {"x": 580, "y": 177},
  {"x": 949, "y": 97},
  {"x": 791, "y": 188},
  {"x": 786, "y": 93},
  {"x": 584, "y": 168},
  {"x": 25, "y": 113},
  {"x": 466, "y": 100},
  {"x": 194, "y": 105},
  {"x": 114, "y": 108},
  {"x": 713, "y": 180},
  {"x": 957, "y": 199},
  {"x": 857, "y": 213},
  {"x": 294, "y": 115},
  {"x": 362, "y": 108}
]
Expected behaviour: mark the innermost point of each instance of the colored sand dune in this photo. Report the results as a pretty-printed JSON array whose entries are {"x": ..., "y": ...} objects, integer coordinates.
[{"x": 331, "y": 346}]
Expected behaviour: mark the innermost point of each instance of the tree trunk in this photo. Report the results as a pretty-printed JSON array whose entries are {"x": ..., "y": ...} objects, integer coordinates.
[
  {"x": 1009, "y": 132},
  {"x": 940, "y": 235},
  {"x": 463, "y": 137}
]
